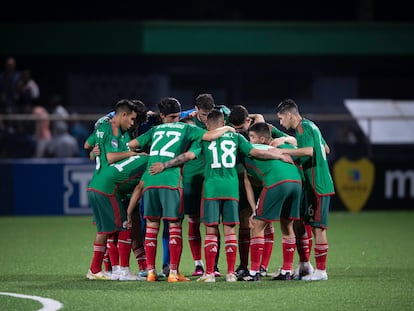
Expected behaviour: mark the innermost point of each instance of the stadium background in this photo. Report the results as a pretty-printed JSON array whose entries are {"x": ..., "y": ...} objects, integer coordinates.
[{"x": 318, "y": 53}]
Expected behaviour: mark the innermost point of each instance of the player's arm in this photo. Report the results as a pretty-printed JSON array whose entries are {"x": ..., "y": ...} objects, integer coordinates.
[
  {"x": 158, "y": 167},
  {"x": 299, "y": 152},
  {"x": 94, "y": 152},
  {"x": 283, "y": 140},
  {"x": 256, "y": 117},
  {"x": 214, "y": 134},
  {"x": 133, "y": 144},
  {"x": 113, "y": 157},
  {"x": 135, "y": 196},
  {"x": 86, "y": 145},
  {"x": 93, "y": 148},
  {"x": 271, "y": 153},
  {"x": 249, "y": 193},
  {"x": 250, "y": 199},
  {"x": 281, "y": 137}
]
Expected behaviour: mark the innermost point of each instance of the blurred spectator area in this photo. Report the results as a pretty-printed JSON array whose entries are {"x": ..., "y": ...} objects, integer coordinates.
[{"x": 256, "y": 64}]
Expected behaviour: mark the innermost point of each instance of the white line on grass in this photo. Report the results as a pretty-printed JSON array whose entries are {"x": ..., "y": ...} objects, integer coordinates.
[{"x": 48, "y": 304}]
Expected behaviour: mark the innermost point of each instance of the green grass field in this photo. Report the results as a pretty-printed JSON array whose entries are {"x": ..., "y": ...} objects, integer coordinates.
[{"x": 370, "y": 267}]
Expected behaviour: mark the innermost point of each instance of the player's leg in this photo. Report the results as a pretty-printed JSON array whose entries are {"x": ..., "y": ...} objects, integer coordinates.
[
  {"x": 269, "y": 240},
  {"x": 165, "y": 248},
  {"x": 171, "y": 202},
  {"x": 211, "y": 215},
  {"x": 152, "y": 215},
  {"x": 319, "y": 222},
  {"x": 256, "y": 251},
  {"x": 244, "y": 240},
  {"x": 102, "y": 208},
  {"x": 230, "y": 211},
  {"x": 192, "y": 200},
  {"x": 99, "y": 247},
  {"x": 288, "y": 249},
  {"x": 138, "y": 243},
  {"x": 303, "y": 237}
]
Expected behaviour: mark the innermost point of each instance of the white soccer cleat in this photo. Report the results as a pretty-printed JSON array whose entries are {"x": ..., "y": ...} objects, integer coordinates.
[
  {"x": 96, "y": 276},
  {"x": 115, "y": 275},
  {"x": 127, "y": 275},
  {"x": 317, "y": 275},
  {"x": 141, "y": 278},
  {"x": 231, "y": 277},
  {"x": 207, "y": 278},
  {"x": 303, "y": 269}
]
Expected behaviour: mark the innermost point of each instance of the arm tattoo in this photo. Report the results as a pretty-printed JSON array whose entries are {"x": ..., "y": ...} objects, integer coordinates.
[{"x": 182, "y": 158}]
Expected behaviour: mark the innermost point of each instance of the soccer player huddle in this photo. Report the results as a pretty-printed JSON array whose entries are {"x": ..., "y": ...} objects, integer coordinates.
[{"x": 216, "y": 166}]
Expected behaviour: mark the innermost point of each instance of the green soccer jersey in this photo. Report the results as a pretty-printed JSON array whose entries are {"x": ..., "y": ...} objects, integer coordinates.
[
  {"x": 221, "y": 174},
  {"x": 198, "y": 123},
  {"x": 109, "y": 139},
  {"x": 120, "y": 177},
  {"x": 272, "y": 172},
  {"x": 316, "y": 168},
  {"x": 194, "y": 169},
  {"x": 276, "y": 133},
  {"x": 168, "y": 141}
]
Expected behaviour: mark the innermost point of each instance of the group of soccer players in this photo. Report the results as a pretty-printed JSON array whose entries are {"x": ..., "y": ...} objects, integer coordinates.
[{"x": 203, "y": 165}]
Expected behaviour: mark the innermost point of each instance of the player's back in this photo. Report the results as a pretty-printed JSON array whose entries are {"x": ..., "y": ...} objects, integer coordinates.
[
  {"x": 167, "y": 141},
  {"x": 221, "y": 174},
  {"x": 271, "y": 171},
  {"x": 121, "y": 176}
]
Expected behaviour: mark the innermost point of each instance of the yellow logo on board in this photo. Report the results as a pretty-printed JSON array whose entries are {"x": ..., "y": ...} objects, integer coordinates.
[{"x": 353, "y": 182}]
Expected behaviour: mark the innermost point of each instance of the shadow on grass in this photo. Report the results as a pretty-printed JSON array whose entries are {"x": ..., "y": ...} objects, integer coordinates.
[{"x": 79, "y": 282}]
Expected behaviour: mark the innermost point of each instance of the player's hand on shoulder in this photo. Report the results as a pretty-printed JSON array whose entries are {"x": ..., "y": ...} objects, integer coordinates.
[
  {"x": 277, "y": 141},
  {"x": 231, "y": 129},
  {"x": 286, "y": 158},
  {"x": 156, "y": 168}
]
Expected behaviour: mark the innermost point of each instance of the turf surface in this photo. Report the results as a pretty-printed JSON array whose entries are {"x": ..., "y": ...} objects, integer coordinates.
[{"x": 370, "y": 267}]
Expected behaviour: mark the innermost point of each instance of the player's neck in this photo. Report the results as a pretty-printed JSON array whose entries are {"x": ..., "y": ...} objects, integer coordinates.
[{"x": 297, "y": 121}]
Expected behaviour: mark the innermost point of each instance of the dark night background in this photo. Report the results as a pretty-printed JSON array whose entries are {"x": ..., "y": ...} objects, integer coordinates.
[
  {"x": 319, "y": 83},
  {"x": 208, "y": 10}
]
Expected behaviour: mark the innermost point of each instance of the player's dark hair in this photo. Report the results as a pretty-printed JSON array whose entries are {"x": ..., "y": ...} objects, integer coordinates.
[
  {"x": 287, "y": 105},
  {"x": 141, "y": 112},
  {"x": 215, "y": 115},
  {"x": 125, "y": 105},
  {"x": 238, "y": 115},
  {"x": 205, "y": 101},
  {"x": 261, "y": 129},
  {"x": 169, "y": 105}
]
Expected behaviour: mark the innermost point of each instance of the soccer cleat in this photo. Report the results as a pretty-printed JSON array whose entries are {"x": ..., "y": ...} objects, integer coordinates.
[
  {"x": 263, "y": 271},
  {"x": 115, "y": 275},
  {"x": 143, "y": 273},
  {"x": 152, "y": 276},
  {"x": 241, "y": 272},
  {"x": 198, "y": 271},
  {"x": 177, "y": 277},
  {"x": 207, "y": 278},
  {"x": 96, "y": 276},
  {"x": 282, "y": 276},
  {"x": 317, "y": 275},
  {"x": 141, "y": 278},
  {"x": 303, "y": 269},
  {"x": 108, "y": 274},
  {"x": 216, "y": 271},
  {"x": 231, "y": 277},
  {"x": 250, "y": 278},
  {"x": 127, "y": 275}
]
